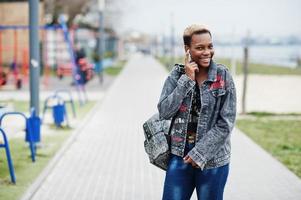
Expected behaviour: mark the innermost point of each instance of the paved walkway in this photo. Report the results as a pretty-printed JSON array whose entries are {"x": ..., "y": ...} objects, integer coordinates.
[{"x": 105, "y": 159}]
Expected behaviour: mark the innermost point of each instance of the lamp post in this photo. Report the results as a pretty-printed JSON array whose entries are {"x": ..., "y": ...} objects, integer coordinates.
[
  {"x": 245, "y": 72},
  {"x": 101, "y": 35},
  {"x": 172, "y": 40},
  {"x": 34, "y": 54}
]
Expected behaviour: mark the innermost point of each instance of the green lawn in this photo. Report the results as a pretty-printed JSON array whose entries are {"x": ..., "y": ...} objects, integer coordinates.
[
  {"x": 115, "y": 69},
  {"x": 20, "y": 106},
  {"x": 25, "y": 170},
  {"x": 279, "y": 135},
  {"x": 254, "y": 68},
  {"x": 166, "y": 61}
]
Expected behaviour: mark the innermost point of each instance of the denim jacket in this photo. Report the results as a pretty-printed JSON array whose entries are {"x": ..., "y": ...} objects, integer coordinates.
[{"x": 217, "y": 114}]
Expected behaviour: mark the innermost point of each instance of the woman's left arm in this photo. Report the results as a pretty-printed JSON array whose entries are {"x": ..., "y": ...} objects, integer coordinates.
[{"x": 208, "y": 147}]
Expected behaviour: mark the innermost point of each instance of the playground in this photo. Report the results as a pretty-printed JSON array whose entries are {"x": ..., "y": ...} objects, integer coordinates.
[
  {"x": 60, "y": 56},
  {"x": 72, "y": 78}
]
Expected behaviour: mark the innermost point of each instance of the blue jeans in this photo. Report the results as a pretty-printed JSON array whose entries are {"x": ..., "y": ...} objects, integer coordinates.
[{"x": 182, "y": 178}]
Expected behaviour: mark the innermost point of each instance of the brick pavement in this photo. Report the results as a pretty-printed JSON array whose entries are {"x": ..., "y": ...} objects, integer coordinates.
[{"x": 105, "y": 159}]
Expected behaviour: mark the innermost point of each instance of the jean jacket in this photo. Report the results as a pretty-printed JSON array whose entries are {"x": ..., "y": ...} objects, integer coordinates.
[{"x": 217, "y": 114}]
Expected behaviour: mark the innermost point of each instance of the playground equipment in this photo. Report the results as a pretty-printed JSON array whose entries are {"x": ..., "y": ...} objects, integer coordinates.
[
  {"x": 5, "y": 145},
  {"x": 32, "y": 136},
  {"x": 59, "y": 112},
  {"x": 18, "y": 67},
  {"x": 33, "y": 133},
  {"x": 58, "y": 52},
  {"x": 75, "y": 69},
  {"x": 66, "y": 95},
  {"x": 32, "y": 129}
]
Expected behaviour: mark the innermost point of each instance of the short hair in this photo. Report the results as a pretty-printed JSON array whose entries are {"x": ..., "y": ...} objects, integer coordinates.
[{"x": 194, "y": 29}]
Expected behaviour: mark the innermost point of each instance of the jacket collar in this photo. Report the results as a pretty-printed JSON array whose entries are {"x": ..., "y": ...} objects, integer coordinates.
[{"x": 212, "y": 73}]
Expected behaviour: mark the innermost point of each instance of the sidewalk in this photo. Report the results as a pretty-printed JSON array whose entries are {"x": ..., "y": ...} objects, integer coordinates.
[{"x": 105, "y": 159}]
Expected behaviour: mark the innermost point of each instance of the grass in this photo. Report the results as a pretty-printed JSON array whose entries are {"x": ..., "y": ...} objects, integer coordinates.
[
  {"x": 19, "y": 106},
  {"x": 25, "y": 170},
  {"x": 265, "y": 69},
  {"x": 270, "y": 114},
  {"x": 23, "y": 106},
  {"x": 280, "y": 137},
  {"x": 167, "y": 61},
  {"x": 115, "y": 69},
  {"x": 254, "y": 68}
]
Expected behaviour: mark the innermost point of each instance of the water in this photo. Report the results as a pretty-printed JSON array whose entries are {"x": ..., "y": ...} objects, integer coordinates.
[{"x": 281, "y": 55}]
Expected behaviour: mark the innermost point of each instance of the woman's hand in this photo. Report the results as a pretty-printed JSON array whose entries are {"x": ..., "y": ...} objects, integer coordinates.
[
  {"x": 188, "y": 160},
  {"x": 190, "y": 66}
]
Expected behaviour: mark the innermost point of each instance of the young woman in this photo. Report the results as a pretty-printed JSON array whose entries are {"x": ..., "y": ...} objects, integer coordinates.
[{"x": 200, "y": 95}]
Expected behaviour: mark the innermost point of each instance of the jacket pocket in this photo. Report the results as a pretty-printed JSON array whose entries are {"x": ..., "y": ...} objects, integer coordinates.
[{"x": 218, "y": 92}]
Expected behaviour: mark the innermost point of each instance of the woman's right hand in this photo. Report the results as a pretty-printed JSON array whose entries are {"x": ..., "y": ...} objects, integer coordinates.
[{"x": 190, "y": 66}]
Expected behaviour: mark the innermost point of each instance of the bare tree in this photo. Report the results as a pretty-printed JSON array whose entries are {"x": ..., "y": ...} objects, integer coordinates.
[{"x": 69, "y": 7}]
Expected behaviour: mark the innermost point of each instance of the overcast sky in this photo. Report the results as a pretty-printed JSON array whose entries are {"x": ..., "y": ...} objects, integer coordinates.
[{"x": 224, "y": 17}]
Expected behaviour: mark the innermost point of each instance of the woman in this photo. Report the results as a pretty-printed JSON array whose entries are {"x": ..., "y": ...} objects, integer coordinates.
[{"x": 201, "y": 98}]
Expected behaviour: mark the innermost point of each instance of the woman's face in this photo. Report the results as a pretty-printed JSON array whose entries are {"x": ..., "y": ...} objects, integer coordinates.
[{"x": 201, "y": 49}]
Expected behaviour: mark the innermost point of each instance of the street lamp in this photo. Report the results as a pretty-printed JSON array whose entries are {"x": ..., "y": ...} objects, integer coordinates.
[
  {"x": 101, "y": 7},
  {"x": 34, "y": 54}
]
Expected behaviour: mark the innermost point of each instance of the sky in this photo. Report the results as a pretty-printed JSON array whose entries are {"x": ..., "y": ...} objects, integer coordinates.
[{"x": 270, "y": 18}]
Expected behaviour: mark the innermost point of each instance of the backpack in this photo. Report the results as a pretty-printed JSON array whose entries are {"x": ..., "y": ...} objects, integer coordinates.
[{"x": 157, "y": 140}]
